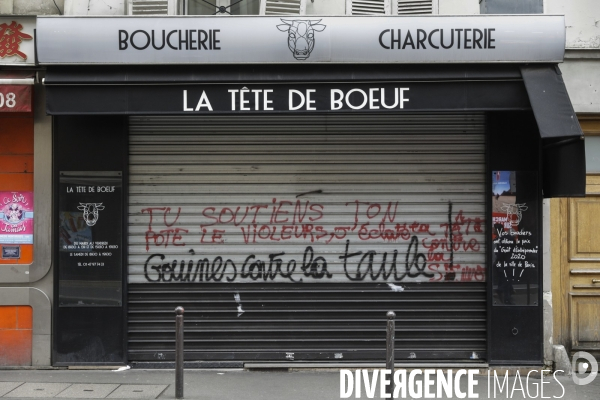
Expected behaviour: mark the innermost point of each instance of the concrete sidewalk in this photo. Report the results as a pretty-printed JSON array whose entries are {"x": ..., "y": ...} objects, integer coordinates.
[{"x": 239, "y": 385}]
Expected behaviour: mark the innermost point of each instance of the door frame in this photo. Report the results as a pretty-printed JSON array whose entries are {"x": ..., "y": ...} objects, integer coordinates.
[{"x": 560, "y": 221}]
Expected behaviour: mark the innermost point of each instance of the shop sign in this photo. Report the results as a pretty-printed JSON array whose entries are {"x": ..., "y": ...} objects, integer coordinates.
[
  {"x": 515, "y": 238},
  {"x": 381, "y": 97},
  {"x": 342, "y": 97},
  {"x": 15, "y": 98},
  {"x": 11, "y": 252},
  {"x": 89, "y": 240},
  {"x": 380, "y": 39},
  {"x": 16, "y": 41},
  {"x": 16, "y": 217}
]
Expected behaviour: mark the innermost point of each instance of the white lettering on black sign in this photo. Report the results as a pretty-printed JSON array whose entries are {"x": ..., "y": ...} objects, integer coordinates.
[{"x": 245, "y": 99}]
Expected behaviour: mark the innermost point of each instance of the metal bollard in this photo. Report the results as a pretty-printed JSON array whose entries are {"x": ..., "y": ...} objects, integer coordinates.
[
  {"x": 389, "y": 350},
  {"x": 179, "y": 353}
]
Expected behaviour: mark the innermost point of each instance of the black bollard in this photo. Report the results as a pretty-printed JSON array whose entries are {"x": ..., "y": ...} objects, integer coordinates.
[
  {"x": 389, "y": 350},
  {"x": 179, "y": 353}
]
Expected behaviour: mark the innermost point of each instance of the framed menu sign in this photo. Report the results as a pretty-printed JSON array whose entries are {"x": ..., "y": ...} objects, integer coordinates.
[
  {"x": 90, "y": 238},
  {"x": 515, "y": 238}
]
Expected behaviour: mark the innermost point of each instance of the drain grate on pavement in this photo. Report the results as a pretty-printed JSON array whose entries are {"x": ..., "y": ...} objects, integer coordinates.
[
  {"x": 6, "y": 387},
  {"x": 137, "y": 392},
  {"x": 38, "y": 390},
  {"x": 88, "y": 391}
]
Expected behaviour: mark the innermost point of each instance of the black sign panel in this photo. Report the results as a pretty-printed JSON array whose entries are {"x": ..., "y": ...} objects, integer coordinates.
[
  {"x": 90, "y": 238},
  {"x": 203, "y": 99},
  {"x": 515, "y": 238},
  {"x": 11, "y": 252}
]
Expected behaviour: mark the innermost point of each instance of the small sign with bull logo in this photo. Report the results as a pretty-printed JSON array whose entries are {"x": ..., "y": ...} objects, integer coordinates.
[{"x": 90, "y": 237}]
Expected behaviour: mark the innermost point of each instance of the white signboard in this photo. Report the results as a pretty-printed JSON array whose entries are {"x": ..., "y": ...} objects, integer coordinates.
[
  {"x": 17, "y": 45},
  {"x": 371, "y": 39}
]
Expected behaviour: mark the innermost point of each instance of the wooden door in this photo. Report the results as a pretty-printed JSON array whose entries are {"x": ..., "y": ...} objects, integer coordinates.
[{"x": 576, "y": 269}]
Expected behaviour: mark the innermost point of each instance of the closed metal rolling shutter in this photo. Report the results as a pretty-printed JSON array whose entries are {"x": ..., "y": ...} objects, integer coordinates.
[{"x": 290, "y": 237}]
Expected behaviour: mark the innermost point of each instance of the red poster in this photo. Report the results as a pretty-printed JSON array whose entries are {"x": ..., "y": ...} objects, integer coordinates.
[{"x": 15, "y": 98}]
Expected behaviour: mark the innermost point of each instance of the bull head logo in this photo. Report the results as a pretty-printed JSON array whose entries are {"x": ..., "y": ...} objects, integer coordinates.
[
  {"x": 90, "y": 212},
  {"x": 301, "y": 36},
  {"x": 516, "y": 210}
]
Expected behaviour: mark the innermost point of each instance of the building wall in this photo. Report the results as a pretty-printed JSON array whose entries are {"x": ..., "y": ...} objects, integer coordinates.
[
  {"x": 458, "y": 7},
  {"x": 36, "y": 7},
  {"x": 104, "y": 7},
  {"x": 26, "y": 286},
  {"x": 320, "y": 7},
  {"x": 581, "y": 72},
  {"x": 15, "y": 335},
  {"x": 25, "y": 166},
  {"x": 582, "y": 18},
  {"x": 316, "y": 7},
  {"x": 582, "y": 78},
  {"x": 16, "y": 165},
  {"x": 581, "y": 69}
]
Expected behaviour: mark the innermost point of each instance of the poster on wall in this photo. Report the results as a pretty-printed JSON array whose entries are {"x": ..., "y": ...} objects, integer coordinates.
[
  {"x": 16, "y": 218},
  {"x": 89, "y": 238},
  {"x": 515, "y": 238}
]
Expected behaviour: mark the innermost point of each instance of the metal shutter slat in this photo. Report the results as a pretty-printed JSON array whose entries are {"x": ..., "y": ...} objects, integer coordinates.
[{"x": 422, "y": 161}]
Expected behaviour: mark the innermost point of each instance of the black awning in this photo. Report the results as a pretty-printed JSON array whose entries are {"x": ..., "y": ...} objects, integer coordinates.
[
  {"x": 563, "y": 147},
  {"x": 188, "y": 89},
  {"x": 563, "y": 167},
  {"x": 550, "y": 101},
  {"x": 245, "y": 73}
]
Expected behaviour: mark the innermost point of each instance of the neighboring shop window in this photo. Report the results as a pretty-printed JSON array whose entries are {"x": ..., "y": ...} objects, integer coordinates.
[{"x": 16, "y": 188}]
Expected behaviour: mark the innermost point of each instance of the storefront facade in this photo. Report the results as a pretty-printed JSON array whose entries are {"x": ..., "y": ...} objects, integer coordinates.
[
  {"x": 25, "y": 187},
  {"x": 290, "y": 187}
]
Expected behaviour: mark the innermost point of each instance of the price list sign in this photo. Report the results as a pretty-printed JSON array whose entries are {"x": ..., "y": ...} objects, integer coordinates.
[{"x": 90, "y": 238}]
